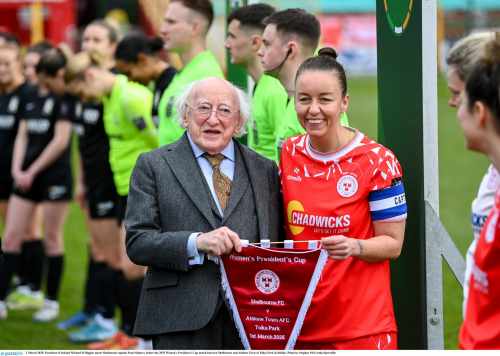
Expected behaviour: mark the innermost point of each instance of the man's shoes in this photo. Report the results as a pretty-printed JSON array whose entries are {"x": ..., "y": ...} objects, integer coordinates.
[
  {"x": 24, "y": 298},
  {"x": 3, "y": 311},
  {"x": 49, "y": 312},
  {"x": 77, "y": 320},
  {"x": 97, "y": 329},
  {"x": 120, "y": 341}
]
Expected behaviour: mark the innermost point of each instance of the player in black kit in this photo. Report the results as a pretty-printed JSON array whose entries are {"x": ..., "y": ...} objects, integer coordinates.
[
  {"x": 12, "y": 86},
  {"x": 97, "y": 196},
  {"x": 42, "y": 175}
]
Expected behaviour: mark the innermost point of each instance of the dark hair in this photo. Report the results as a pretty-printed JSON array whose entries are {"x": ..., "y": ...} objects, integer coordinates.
[
  {"x": 129, "y": 47},
  {"x": 112, "y": 31},
  {"x": 252, "y": 15},
  {"x": 326, "y": 60},
  {"x": 203, "y": 7},
  {"x": 297, "y": 22},
  {"x": 9, "y": 38},
  {"x": 39, "y": 48},
  {"x": 483, "y": 84},
  {"x": 51, "y": 62}
]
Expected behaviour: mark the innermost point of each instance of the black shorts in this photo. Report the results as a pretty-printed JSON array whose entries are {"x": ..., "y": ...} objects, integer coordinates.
[
  {"x": 122, "y": 208},
  {"x": 52, "y": 186},
  {"x": 6, "y": 185},
  {"x": 102, "y": 199}
]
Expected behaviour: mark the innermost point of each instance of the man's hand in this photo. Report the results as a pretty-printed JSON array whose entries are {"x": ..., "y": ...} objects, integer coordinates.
[
  {"x": 340, "y": 247},
  {"x": 218, "y": 242}
]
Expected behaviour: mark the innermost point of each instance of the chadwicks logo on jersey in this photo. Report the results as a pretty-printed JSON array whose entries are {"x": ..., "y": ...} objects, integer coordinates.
[{"x": 298, "y": 219}]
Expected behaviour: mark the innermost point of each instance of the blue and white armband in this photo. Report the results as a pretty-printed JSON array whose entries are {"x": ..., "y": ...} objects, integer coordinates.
[{"x": 388, "y": 204}]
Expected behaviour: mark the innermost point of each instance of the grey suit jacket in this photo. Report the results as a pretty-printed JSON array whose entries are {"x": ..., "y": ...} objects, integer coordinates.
[{"x": 168, "y": 200}]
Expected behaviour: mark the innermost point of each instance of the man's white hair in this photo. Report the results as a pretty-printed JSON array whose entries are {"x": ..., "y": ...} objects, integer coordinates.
[{"x": 181, "y": 103}]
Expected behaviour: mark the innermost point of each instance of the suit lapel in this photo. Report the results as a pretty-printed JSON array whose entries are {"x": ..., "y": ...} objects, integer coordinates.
[
  {"x": 256, "y": 179},
  {"x": 190, "y": 177}
]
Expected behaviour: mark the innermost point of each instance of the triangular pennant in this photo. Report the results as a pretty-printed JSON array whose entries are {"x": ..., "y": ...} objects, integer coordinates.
[{"x": 269, "y": 291}]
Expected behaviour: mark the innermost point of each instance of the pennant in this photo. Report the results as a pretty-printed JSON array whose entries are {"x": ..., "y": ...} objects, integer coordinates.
[{"x": 269, "y": 291}]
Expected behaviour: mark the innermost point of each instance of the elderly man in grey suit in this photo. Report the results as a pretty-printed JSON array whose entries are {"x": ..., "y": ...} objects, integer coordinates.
[{"x": 190, "y": 202}]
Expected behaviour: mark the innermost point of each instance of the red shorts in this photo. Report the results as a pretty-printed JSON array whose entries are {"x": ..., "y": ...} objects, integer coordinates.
[{"x": 382, "y": 341}]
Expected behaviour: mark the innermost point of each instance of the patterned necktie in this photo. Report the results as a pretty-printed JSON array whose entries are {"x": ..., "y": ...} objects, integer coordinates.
[{"x": 222, "y": 184}]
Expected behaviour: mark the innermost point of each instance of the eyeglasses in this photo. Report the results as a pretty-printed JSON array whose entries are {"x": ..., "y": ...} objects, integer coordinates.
[{"x": 203, "y": 111}]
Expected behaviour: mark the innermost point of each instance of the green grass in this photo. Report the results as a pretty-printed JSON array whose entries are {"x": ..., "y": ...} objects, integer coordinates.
[{"x": 460, "y": 173}]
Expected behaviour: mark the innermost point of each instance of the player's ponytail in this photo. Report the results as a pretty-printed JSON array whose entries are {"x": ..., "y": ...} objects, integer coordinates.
[
  {"x": 483, "y": 84},
  {"x": 79, "y": 63},
  {"x": 326, "y": 60}
]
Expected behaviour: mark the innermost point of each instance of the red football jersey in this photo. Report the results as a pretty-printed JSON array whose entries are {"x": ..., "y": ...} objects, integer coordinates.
[
  {"x": 341, "y": 194},
  {"x": 481, "y": 326}
]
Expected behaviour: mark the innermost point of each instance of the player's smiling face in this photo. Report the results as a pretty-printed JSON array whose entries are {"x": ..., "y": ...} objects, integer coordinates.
[{"x": 319, "y": 102}]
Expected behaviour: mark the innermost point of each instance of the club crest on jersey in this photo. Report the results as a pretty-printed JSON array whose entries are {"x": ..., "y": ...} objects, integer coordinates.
[
  {"x": 48, "y": 106},
  {"x": 13, "y": 104},
  {"x": 267, "y": 281},
  {"x": 347, "y": 186}
]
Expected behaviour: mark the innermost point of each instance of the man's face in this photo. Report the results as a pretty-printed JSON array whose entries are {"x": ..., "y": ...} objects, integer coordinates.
[
  {"x": 176, "y": 29},
  {"x": 212, "y": 131},
  {"x": 239, "y": 43},
  {"x": 273, "y": 51}
]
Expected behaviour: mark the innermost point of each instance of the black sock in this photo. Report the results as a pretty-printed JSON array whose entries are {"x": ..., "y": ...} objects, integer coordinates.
[
  {"x": 91, "y": 296},
  {"x": 22, "y": 269},
  {"x": 107, "y": 286},
  {"x": 33, "y": 263},
  {"x": 129, "y": 292},
  {"x": 54, "y": 276},
  {"x": 10, "y": 265}
]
